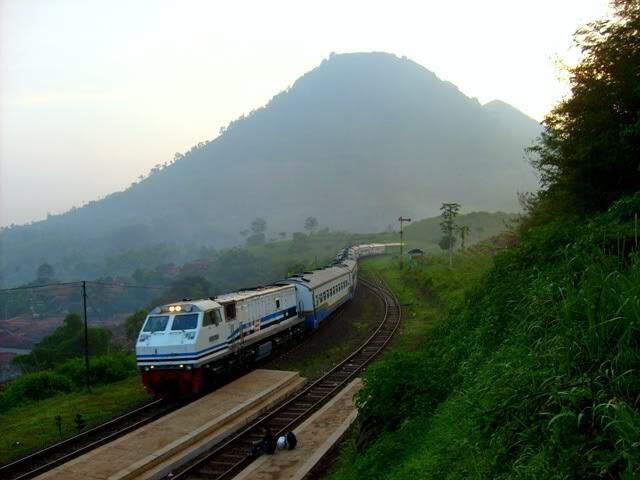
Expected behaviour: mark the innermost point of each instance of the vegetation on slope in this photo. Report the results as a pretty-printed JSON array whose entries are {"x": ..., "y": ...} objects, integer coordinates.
[{"x": 533, "y": 375}]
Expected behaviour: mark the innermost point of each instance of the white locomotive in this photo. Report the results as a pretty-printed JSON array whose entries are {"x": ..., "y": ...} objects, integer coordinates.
[{"x": 184, "y": 347}]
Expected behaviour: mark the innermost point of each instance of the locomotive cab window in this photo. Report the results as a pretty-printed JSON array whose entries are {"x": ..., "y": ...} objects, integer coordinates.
[
  {"x": 156, "y": 323},
  {"x": 212, "y": 317},
  {"x": 185, "y": 322},
  {"x": 230, "y": 311}
]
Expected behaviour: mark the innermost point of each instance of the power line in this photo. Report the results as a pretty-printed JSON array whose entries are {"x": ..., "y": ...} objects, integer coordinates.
[
  {"x": 79, "y": 283},
  {"x": 46, "y": 285},
  {"x": 122, "y": 285}
]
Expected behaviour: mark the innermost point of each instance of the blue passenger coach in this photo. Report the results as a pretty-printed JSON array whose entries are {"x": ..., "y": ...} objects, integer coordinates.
[{"x": 321, "y": 292}]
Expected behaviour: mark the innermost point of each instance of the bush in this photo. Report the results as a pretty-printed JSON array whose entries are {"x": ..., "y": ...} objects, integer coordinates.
[
  {"x": 33, "y": 386},
  {"x": 103, "y": 369}
]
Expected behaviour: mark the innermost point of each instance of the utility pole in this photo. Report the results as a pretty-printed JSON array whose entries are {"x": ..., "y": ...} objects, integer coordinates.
[
  {"x": 86, "y": 334},
  {"x": 402, "y": 220}
]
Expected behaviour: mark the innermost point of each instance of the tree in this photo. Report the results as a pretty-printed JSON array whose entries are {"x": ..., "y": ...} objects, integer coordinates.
[
  {"x": 257, "y": 237},
  {"x": 133, "y": 324},
  {"x": 446, "y": 241},
  {"x": 66, "y": 341},
  {"x": 259, "y": 225},
  {"x": 449, "y": 214},
  {"x": 463, "y": 231},
  {"x": 310, "y": 224},
  {"x": 588, "y": 155},
  {"x": 188, "y": 286},
  {"x": 45, "y": 273}
]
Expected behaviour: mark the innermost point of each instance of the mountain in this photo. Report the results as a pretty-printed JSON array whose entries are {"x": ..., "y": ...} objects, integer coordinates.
[{"x": 355, "y": 142}]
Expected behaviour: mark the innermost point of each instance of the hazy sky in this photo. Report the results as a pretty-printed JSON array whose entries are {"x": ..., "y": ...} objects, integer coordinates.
[{"x": 94, "y": 93}]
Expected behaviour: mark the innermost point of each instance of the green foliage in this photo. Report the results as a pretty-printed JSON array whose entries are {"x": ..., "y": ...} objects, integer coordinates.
[
  {"x": 447, "y": 241},
  {"x": 405, "y": 383},
  {"x": 66, "y": 341},
  {"x": 133, "y": 324},
  {"x": 67, "y": 376},
  {"x": 536, "y": 372},
  {"x": 588, "y": 155},
  {"x": 31, "y": 387},
  {"x": 102, "y": 369},
  {"x": 310, "y": 224}
]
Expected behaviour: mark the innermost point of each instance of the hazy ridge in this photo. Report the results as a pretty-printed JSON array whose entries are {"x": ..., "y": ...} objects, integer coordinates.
[{"x": 355, "y": 142}]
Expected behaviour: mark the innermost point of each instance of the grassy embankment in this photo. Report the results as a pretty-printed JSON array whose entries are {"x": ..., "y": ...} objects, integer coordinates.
[
  {"x": 534, "y": 373},
  {"x": 33, "y": 425}
]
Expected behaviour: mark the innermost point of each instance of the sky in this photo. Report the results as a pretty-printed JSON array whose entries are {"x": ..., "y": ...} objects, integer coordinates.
[{"x": 95, "y": 93}]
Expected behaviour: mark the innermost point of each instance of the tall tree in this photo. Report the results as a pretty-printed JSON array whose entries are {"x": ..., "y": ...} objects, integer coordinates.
[
  {"x": 589, "y": 154},
  {"x": 258, "y": 227},
  {"x": 45, "y": 273},
  {"x": 463, "y": 231},
  {"x": 449, "y": 214},
  {"x": 310, "y": 224}
]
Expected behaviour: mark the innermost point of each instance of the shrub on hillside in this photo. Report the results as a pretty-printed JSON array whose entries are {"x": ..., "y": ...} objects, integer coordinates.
[
  {"x": 103, "y": 369},
  {"x": 33, "y": 386}
]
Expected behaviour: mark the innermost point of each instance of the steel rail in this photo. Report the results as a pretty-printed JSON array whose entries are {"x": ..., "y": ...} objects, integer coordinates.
[
  {"x": 227, "y": 458},
  {"x": 54, "y": 455}
]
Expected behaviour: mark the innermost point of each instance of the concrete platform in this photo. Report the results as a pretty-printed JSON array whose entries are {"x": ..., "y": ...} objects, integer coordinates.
[
  {"x": 315, "y": 437},
  {"x": 155, "y": 449}
]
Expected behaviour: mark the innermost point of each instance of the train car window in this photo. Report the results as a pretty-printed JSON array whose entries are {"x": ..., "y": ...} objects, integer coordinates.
[
  {"x": 230, "y": 311},
  {"x": 156, "y": 323},
  {"x": 187, "y": 321},
  {"x": 277, "y": 303}
]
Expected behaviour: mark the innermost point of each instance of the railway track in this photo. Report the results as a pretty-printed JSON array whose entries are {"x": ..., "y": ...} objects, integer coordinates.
[
  {"x": 59, "y": 453},
  {"x": 234, "y": 453}
]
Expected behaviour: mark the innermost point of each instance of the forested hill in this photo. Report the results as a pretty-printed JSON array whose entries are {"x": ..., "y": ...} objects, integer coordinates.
[{"x": 356, "y": 141}]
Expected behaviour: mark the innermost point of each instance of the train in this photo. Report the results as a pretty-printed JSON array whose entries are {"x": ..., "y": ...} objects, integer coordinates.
[{"x": 188, "y": 347}]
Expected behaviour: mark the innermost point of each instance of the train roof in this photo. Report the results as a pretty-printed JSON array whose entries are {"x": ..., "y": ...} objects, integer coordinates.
[
  {"x": 200, "y": 305},
  {"x": 249, "y": 293},
  {"x": 319, "y": 277}
]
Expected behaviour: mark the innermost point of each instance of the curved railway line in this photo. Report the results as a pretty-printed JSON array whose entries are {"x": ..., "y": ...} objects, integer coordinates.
[
  {"x": 233, "y": 453},
  {"x": 61, "y": 452},
  {"x": 228, "y": 458}
]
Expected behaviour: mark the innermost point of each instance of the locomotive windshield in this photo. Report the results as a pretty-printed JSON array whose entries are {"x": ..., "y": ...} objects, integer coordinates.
[
  {"x": 187, "y": 321},
  {"x": 156, "y": 323}
]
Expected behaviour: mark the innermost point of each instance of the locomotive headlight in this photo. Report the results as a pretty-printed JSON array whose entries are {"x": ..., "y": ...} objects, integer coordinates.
[
  {"x": 178, "y": 308},
  {"x": 181, "y": 366},
  {"x": 190, "y": 335},
  {"x": 143, "y": 337},
  {"x": 172, "y": 308},
  {"x": 146, "y": 369},
  {"x": 189, "y": 367}
]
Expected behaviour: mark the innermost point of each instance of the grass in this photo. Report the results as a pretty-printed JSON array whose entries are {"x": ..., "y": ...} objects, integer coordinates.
[
  {"x": 33, "y": 426},
  {"x": 532, "y": 373},
  {"x": 426, "y": 290}
]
